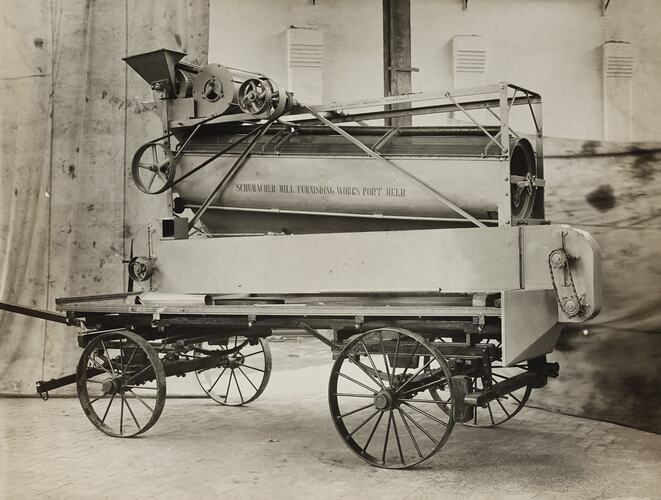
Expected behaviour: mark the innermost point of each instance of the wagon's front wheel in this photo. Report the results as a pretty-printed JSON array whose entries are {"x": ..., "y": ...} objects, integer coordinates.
[
  {"x": 379, "y": 401},
  {"x": 121, "y": 384}
]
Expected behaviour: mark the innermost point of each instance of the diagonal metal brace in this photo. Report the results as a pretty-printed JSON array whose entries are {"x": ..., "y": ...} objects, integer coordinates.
[{"x": 392, "y": 165}]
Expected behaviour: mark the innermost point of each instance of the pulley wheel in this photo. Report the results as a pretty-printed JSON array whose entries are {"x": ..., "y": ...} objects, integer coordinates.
[
  {"x": 152, "y": 168},
  {"x": 257, "y": 96}
]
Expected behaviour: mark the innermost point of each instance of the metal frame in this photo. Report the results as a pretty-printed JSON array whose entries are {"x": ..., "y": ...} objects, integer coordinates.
[{"x": 329, "y": 115}]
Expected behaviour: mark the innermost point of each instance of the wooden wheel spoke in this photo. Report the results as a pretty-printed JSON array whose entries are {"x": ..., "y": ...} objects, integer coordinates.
[
  {"x": 216, "y": 381},
  {"x": 373, "y": 391},
  {"x": 363, "y": 423},
  {"x": 105, "y": 414},
  {"x": 408, "y": 364},
  {"x": 349, "y": 395},
  {"x": 105, "y": 350},
  {"x": 369, "y": 356},
  {"x": 101, "y": 366},
  {"x": 252, "y": 354},
  {"x": 130, "y": 359},
  {"x": 385, "y": 359},
  {"x": 369, "y": 438},
  {"x": 139, "y": 373},
  {"x": 385, "y": 440},
  {"x": 501, "y": 405},
  {"x": 128, "y": 406},
  {"x": 248, "y": 379},
  {"x": 408, "y": 430},
  {"x": 416, "y": 374},
  {"x": 141, "y": 400},
  {"x": 252, "y": 368},
  {"x": 428, "y": 415},
  {"x": 515, "y": 398},
  {"x": 490, "y": 414},
  {"x": 412, "y": 420},
  {"x": 121, "y": 416},
  {"x": 229, "y": 382},
  {"x": 96, "y": 399},
  {"x": 394, "y": 367},
  {"x": 364, "y": 369},
  {"x": 423, "y": 387},
  {"x": 355, "y": 411},
  {"x": 238, "y": 387},
  {"x": 399, "y": 443}
]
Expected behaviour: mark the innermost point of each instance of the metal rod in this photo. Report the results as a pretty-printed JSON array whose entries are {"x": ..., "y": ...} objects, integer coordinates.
[
  {"x": 476, "y": 123},
  {"x": 214, "y": 157},
  {"x": 340, "y": 214},
  {"x": 230, "y": 174},
  {"x": 392, "y": 165},
  {"x": 317, "y": 335},
  {"x": 421, "y": 110}
]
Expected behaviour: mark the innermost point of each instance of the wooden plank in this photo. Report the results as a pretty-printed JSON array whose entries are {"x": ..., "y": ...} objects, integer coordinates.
[{"x": 287, "y": 310}]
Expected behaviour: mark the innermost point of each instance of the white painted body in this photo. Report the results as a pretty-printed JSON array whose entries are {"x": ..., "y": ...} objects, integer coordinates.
[{"x": 432, "y": 263}]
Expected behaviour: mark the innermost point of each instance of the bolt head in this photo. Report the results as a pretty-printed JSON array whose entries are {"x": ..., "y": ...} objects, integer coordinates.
[
  {"x": 571, "y": 306},
  {"x": 558, "y": 259}
]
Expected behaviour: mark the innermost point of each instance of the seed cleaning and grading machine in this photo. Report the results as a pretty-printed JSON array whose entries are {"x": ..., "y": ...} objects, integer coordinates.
[{"x": 420, "y": 255}]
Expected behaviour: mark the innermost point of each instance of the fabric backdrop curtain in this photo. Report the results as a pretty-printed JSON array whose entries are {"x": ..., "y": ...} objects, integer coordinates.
[{"x": 70, "y": 119}]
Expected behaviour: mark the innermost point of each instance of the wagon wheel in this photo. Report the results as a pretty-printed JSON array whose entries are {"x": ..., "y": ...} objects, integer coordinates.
[
  {"x": 242, "y": 373},
  {"x": 153, "y": 168},
  {"x": 121, "y": 384},
  {"x": 377, "y": 398},
  {"x": 504, "y": 407}
]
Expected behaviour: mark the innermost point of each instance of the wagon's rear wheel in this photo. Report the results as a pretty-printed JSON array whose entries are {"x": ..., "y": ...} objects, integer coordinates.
[
  {"x": 379, "y": 401},
  {"x": 121, "y": 384},
  {"x": 242, "y": 373},
  {"x": 503, "y": 408}
]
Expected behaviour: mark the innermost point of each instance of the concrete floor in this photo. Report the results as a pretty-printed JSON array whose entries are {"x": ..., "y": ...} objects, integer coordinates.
[{"x": 285, "y": 446}]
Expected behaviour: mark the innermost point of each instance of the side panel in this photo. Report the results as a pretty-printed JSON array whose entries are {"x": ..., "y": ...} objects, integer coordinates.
[
  {"x": 450, "y": 261},
  {"x": 529, "y": 324}
]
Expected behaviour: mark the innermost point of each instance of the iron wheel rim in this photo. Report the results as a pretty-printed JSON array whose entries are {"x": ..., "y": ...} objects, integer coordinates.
[
  {"x": 392, "y": 396},
  {"x": 120, "y": 361}
]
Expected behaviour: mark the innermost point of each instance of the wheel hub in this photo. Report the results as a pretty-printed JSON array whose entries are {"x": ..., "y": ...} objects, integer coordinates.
[
  {"x": 111, "y": 386},
  {"x": 385, "y": 400},
  {"x": 235, "y": 362}
]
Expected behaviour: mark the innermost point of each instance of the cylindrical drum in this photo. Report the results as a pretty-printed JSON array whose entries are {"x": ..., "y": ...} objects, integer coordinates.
[{"x": 312, "y": 180}]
